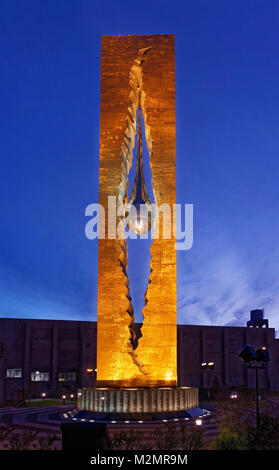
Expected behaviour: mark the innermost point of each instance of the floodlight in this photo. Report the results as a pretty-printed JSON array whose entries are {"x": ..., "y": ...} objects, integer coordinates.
[
  {"x": 262, "y": 354},
  {"x": 248, "y": 353}
]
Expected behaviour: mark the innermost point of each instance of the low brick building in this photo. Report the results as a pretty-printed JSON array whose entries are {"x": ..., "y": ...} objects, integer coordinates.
[{"x": 52, "y": 356}]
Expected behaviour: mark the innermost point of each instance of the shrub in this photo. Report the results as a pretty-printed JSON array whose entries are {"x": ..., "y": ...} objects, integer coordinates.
[
  {"x": 125, "y": 440},
  {"x": 192, "y": 437},
  {"x": 228, "y": 439},
  {"x": 266, "y": 436},
  {"x": 169, "y": 437}
]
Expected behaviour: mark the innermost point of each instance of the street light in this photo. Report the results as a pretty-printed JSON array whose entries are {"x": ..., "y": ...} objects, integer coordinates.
[
  {"x": 262, "y": 355},
  {"x": 248, "y": 353},
  {"x": 234, "y": 397},
  {"x": 64, "y": 398},
  {"x": 91, "y": 373},
  {"x": 255, "y": 360},
  {"x": 208, "y": 366},
  {"x": 43, "y": 396}
]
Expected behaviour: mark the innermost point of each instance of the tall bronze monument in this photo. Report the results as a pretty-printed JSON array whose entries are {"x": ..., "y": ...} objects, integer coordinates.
[
  {"x": 137, "y": 76},
  {"x": 129, "y": 65}
]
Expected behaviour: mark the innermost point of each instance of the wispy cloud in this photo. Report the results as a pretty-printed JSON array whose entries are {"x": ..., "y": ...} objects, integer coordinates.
[{"x": 222, "y": 288}]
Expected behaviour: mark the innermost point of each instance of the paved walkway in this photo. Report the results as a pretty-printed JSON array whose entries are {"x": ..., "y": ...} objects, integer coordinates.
[
  {"x": 50, "y": 416},
  {"x": 46, "y": 421}
]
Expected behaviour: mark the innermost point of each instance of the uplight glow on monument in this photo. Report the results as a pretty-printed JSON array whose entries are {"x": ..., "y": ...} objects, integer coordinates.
[{"x": 144, "y": 83}]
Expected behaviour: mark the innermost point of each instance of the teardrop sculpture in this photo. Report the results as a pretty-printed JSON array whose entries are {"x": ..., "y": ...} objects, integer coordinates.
[{"x": 139, "y": 210}]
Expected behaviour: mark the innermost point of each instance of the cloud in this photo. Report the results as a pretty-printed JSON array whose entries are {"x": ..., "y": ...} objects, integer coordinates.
[{"x": 224, "y": 288}]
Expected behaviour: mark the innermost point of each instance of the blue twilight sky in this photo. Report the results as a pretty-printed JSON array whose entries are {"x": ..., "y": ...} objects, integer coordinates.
[{"x": 227, "y": 98}]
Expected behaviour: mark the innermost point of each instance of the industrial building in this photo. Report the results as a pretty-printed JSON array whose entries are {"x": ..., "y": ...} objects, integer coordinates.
[{"x": 51, "y": 356}]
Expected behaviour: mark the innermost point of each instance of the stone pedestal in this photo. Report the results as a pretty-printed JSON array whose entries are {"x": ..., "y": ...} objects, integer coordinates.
[{"x": 136, "y": 400}]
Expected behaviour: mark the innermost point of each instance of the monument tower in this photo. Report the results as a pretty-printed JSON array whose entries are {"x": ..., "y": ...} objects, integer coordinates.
[
  {"x": 131, "y": 65},
  {"x": 137, "y": 77}
]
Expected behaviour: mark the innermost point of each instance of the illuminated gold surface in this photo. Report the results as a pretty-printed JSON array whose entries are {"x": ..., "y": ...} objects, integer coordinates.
[{"x": 153, "y": 363}]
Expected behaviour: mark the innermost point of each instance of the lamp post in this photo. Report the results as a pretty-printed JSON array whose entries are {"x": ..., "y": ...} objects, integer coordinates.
[
  {"x": 257, "y": 367},
  {"x": 91, "y": 373},
  {"x": 255, "y": 360},
  {"x": 208, "y": 366},
  {"x": 234, "y": 397}
]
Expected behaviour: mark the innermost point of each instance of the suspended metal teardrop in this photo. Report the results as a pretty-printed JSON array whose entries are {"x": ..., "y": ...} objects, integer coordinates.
[{"x": 139, "y": 211}]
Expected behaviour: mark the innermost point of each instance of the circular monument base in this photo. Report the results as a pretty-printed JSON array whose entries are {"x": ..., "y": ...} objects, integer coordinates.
[{"x": 137, "y": 400}]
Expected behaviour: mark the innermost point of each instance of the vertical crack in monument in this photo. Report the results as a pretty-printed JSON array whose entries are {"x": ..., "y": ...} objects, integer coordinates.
[
  {"x": 139, "y": 198},
  {"x": 137, "y": 72}
]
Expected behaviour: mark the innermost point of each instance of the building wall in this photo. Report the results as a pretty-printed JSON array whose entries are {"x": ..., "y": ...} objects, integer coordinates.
[
  {"x": 55, "y": 346},
  {"x": 197, "y": 344},
  {"x": 45, "y": 346}
]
